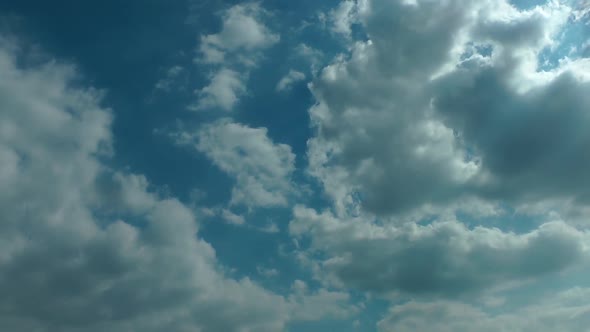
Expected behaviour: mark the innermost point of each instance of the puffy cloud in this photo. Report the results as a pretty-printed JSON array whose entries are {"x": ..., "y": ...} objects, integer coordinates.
[
  {"x": 567, "y": 311},
  {"x": 224, "y": 91},
  {"x": 232, "y": 218},
  {"x": 262, "y": 168},
  {"x": 237, "y": 47},
  {"x": 443, "y": 258},
  {"x": 242, "y": 30},
  {"x": 530, "y": 144},
  {"x": 86, "y": 248},
  {"x": 288, "y": 80},
  {"x": 400, "y": 126}
]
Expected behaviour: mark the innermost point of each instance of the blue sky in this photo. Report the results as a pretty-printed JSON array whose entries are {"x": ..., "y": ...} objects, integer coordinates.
[{"x": 344, "y": 165}]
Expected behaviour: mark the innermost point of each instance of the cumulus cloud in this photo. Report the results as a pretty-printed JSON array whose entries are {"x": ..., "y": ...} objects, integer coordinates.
[
  {"x": 236, "y": 48},
  {"x": 288, "y": 80},
  {"x": 566, "y": 311},
  {"x": 232, "y": 218},
  {"x": 400, "y": 126},
  {"x": 443, "y": 258},
  {"x": 242, "y": 30},
  {"x": 87, "y": 248},
  {"x": 262, "y": 169},
  {"x": 224, "y": 91}
]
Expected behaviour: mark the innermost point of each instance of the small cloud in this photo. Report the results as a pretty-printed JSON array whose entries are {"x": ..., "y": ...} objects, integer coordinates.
[
  {"x": 242, "y": 31},
  {"x": 286, "y": 83},
  {"x": 165, "y": 84},
  {"x": 267, "y": 272},
  {"x": 311, "y": 55},
  {"x": 206, "y": 212},
  {"x": 342, "y": 18},
  {"x": 232, "y": 218},
  {"x": 262, "y": 168},
  {"x": 196, "y": 195},
  {"x": 271, "y": 228},
  {"x": 223, "y": 92}
]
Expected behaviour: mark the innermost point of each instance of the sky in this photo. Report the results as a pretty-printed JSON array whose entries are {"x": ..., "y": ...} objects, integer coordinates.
[{"x": 338, "y": 165}]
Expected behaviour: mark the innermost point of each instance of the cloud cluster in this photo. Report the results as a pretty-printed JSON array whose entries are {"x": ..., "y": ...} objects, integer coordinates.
[
  {"x": 261, "y": 168},
  {"x": 233, "y": 50},
  {"x": 445, "y": 102},
  {"x": 87, "y": 248}
]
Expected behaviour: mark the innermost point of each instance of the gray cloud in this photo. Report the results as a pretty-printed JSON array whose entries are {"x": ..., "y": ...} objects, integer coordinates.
[
  {"x": 443, "y": 258},
  {"x": 566, "y": 311},
  {"x": 401, "y": 126},
  {"x": 530, "y": 144}
]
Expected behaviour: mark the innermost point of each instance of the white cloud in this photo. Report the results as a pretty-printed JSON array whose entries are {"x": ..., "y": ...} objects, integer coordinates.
[
  {"x": 270, "y": 228},
  {"x": 242, "y": 30},
  {"x": 232, "y": 218},
  {"x": 311, "y": 54},
  {"x": 224, "y": 91},
  {"x": 236, "y": 48},
  {"x": 582, "y": 9},
  {"x": 342, "y": 17},
  {"x": 262, "y": 169},
  {"x": 288, "y": 80}
]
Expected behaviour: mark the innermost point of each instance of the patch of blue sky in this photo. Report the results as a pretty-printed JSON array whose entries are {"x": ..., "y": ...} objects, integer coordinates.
[
  {"x": 527, "y": 4},
  {"x": 570, "y": 45}
]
